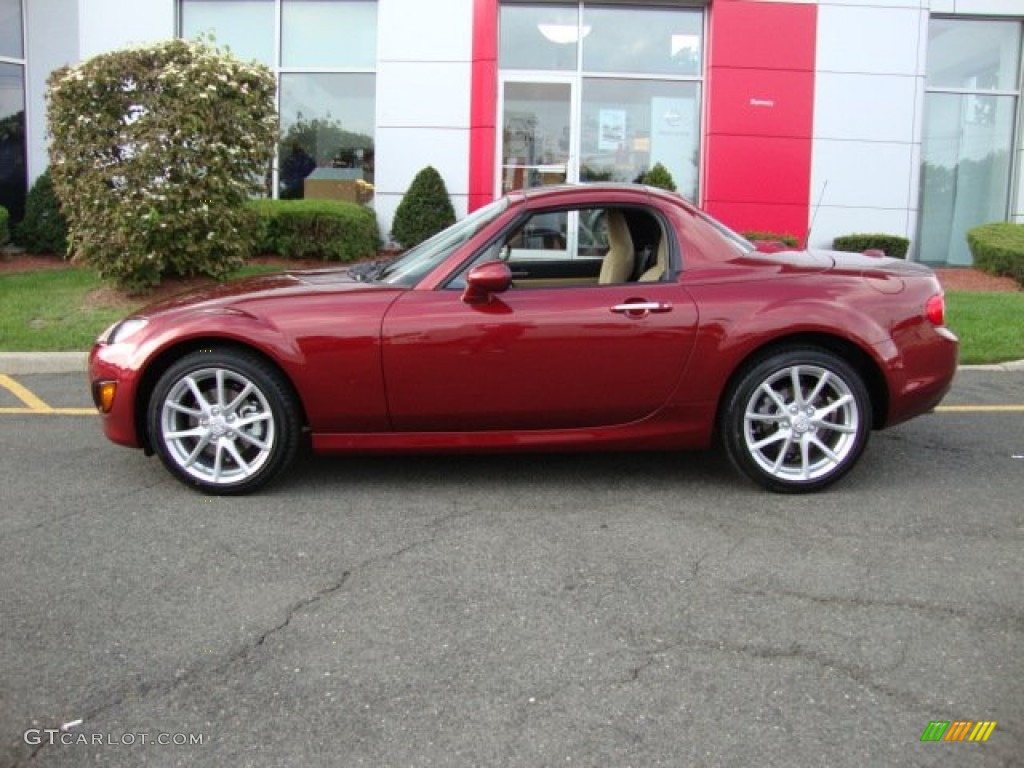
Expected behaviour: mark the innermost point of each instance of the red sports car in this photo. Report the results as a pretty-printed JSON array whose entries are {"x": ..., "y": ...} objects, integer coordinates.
[{"x": 572, "y": 318}]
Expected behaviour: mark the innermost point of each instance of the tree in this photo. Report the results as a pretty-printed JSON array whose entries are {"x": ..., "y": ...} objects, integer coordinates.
[
  {"x": 659, "y": 176},
  {"x": 424, "y": 211},
  {"x": 154, "y": 152}
]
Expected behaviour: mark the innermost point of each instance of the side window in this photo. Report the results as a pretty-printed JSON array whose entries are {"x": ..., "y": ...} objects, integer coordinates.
[{"x": 579, "y": 247}]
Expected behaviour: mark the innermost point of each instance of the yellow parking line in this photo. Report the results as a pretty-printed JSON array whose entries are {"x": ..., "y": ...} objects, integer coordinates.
[
  {"x": 980, "y": 409},
  {"x": 34, "y": 404}
]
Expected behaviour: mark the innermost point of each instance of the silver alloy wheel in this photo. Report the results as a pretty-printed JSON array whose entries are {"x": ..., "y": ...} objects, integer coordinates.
[
  {"x": 217, "y": 426},
  {"x": 801, "y": 423}
]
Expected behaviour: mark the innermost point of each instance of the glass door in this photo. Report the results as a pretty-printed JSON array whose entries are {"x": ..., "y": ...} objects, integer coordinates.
[{"x": 538, "y": 145}]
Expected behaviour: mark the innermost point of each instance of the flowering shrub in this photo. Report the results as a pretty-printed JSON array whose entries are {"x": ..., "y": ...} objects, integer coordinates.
[{"x": 154, "y": 152}]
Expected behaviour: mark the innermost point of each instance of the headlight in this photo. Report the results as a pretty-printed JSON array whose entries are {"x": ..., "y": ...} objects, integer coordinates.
[{"x": 121, "y": 330}]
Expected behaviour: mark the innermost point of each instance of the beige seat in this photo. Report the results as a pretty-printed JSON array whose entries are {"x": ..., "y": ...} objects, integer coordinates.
[
  {"x": 619, "y": 262},
  {"x": 657, "y": 272}
]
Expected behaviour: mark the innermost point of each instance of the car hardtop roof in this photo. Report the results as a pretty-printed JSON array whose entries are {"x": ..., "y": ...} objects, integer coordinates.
[{"x": 616, "y": 191}]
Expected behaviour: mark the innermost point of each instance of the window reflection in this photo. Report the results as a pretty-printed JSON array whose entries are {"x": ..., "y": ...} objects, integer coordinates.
[
  {"x": 327, "y": 134},
  {"x": 629, "y": 125},
  {"x": 12, "y": 140},
  {"x": 648, "y": 41},
  {"x": 539, "y": 36},
  {"x": 976, "y": 55},
  {"x": 246, "y": 27},
  {"x": 327, "y": 33}
]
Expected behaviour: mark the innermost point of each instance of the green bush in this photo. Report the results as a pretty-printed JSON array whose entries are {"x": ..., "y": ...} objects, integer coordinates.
[
  {"x": 155, "y": 151},
  {"x": 332, "y": 230},
  {"x": 998, "y": 249},
  {"x": 790, "y": 241},
  {"x": 659, "y": 176},
  {"x": 424, "y": 211},
  {"x": 44, "y": 228},
  {"x": 4, "y": 233},
  {"x": 891, "y": 245}
]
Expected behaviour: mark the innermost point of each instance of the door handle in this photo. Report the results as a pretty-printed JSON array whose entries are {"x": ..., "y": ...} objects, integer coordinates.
[{"x": 641, "y": 308}]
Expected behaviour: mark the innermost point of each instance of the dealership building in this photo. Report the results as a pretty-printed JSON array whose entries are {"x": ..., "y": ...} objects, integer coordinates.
[{"x": 830, "y": 116}]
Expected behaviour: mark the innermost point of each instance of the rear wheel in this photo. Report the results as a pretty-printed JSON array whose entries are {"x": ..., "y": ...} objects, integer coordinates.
[
  {"x": 796, "y": 421},
  {"x": 224, "y": 421}
]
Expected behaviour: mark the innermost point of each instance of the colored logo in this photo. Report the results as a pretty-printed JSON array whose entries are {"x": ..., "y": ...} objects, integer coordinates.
[{"x": 958, "y": 730}]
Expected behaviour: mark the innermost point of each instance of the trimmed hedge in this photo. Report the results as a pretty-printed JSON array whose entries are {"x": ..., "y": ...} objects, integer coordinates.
[
  {"x": 4, "y": 218},
  {"x": 891, "y": 245},
  {"x": 789, "y": 240},
  {"x": 998, "y": 249},
  {"x": 44, "y": 228},
  {"x": 425, "y": 210},
  {"x": 331, "y": 230}
]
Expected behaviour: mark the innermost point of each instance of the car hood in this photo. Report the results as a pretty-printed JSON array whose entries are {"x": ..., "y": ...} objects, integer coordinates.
[{"x": 261, "y": 287}]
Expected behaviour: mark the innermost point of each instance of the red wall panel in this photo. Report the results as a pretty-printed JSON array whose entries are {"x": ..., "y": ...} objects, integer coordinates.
[
  {"x": 483, "y": 103},
  {"x": 760, "y": 114}
]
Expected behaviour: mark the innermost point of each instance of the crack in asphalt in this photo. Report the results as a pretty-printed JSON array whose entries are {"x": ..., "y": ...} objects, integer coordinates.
[
  {"x": 60, "y": 519},
  {"x": 1014, "y": 621},
  {"x": 164, "y": 687}
]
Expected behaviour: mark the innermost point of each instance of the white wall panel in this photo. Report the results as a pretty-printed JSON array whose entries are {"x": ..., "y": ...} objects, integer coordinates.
[
  {"x": 831, "y": 222},
  {"x": 868, "y": 40},
  {"x": 989, "y": 7},
  {"x": 403, "y": 152},
  {"x": 881, "y": 3},
  {"x": 426, "y": 94},
  {"x": 49, "y": 47},
  {"x": 862, "y": 174},
  {"x": 867, "y": 107},
  {"x": 414, "y": 30}
]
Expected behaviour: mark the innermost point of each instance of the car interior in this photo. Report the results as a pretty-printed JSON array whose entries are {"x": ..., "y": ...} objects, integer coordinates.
[{"x": 590, "y": 246}]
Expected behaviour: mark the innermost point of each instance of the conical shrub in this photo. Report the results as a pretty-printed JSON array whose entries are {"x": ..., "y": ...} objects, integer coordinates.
[{"x": 425, "y": 210}]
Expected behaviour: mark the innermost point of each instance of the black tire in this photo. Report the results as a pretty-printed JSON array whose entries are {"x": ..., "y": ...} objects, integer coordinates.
[
  {"x": 796, "y": 420},
  {"x": 224, "y": 421}
]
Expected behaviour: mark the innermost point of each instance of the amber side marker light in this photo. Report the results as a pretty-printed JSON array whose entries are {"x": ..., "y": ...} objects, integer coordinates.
[
  {"x": 935, "y": 309},
  {"x": 103, "y": 395}
]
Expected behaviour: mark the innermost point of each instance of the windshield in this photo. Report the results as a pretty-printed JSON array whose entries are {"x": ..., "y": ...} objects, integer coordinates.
[{"x": 416, "y": 263}]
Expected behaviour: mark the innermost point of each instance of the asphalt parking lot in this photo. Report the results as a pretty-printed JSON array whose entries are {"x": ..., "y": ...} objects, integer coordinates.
[{"x": 615, "y": 610}]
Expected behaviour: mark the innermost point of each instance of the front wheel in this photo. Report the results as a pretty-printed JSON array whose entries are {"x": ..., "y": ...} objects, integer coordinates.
[
  {"x": 223, "y": 420},
  {"x": 796, "y": 421}
]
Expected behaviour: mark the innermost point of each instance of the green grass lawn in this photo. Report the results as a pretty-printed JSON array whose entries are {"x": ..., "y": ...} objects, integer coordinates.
[
  {"x": 50, "y": 310},
  {"x": 990, "y": 325},
  {"x": 53, "y": 310}
]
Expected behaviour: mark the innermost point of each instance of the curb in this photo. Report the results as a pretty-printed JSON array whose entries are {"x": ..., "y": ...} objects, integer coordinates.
[
  {"x": 43, "y": 362},
  {"x": 77, "y": 362}
]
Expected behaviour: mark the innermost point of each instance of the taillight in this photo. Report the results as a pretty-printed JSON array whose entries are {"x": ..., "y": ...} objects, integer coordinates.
[{"x": 935, "y": 309}]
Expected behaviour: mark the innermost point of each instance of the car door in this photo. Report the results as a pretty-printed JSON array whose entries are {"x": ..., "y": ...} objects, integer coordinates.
[{"x": 552, "y": 357}]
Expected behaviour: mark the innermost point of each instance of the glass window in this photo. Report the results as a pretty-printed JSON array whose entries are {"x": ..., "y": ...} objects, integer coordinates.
[
  {"x": 246, "y": 27},
  {"x": 328, "y": 33},
  {"x": 12, "y": 140},
  {"x": 536, "y": 126},
  {"x": 644, "y": 40},
  {"x": 968, "y": 133},
  {"x": 629, "y": 125},
  {"x": 974, "y": 55},
  {"x": 539, "y": 36},
  {"x": 327, "y": 123},
  {"x": 11, "y": 43},
  {"x": 966, "y": 171}
]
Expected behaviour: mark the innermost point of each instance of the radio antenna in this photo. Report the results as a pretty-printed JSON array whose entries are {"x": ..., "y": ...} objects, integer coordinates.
[{"x": 807, "y": 240}]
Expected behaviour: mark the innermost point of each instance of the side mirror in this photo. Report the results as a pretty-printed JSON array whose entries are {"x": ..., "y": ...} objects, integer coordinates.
[{"x": 484, "y": 280}]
